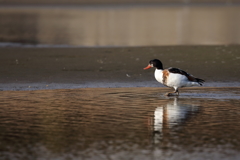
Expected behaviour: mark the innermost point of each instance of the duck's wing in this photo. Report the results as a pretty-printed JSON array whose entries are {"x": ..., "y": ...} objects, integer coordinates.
[{"x": 184, "y": 73}]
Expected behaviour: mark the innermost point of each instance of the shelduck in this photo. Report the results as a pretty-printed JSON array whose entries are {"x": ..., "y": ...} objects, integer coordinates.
[{"x": 173, "y": 77}]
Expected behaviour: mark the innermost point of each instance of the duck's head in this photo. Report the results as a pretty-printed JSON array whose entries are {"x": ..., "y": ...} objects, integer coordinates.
[{"x": 154, "y": 63}]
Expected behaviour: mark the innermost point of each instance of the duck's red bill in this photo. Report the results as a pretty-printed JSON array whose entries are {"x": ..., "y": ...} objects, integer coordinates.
[{"x": 149, "y": 66}]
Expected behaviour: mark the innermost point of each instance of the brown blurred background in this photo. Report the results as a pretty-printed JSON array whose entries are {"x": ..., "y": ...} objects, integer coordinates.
[
  {"x": 109, "y": 23},
  {"x": 111, "y": 1}
]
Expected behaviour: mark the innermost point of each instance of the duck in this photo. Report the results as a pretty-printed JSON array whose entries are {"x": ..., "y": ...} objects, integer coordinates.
[{"x": 173, "y": 77}]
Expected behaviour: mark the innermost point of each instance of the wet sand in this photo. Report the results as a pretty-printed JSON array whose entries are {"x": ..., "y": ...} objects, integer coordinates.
[{"x": 60, "y": 68}]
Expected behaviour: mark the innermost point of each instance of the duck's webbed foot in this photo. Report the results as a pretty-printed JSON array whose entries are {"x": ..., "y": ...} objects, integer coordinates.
[
  {"x": 175, "y": 93},
  {"x": 171, "y": 94}
]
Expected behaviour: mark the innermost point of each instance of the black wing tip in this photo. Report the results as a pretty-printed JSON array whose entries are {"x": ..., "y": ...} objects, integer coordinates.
[{"x": 200, "y": 81}]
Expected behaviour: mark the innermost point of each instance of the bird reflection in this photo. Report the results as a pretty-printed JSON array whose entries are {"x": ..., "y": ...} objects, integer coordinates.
[{"x": 170, "y": 116}]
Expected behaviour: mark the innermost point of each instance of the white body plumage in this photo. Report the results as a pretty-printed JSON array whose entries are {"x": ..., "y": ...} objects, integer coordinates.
[{"x": 174, "y": 80}]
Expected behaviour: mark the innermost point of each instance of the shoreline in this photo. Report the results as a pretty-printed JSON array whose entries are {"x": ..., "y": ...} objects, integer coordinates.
[
  {"x": 150, "y": 84},
  {"x": 211, "y": 93}
]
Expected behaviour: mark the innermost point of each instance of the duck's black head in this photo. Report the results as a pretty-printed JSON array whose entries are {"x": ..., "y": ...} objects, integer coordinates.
[{"x": 154, "y": 63}]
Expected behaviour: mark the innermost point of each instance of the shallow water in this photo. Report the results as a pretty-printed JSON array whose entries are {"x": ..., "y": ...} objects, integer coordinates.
[{"x": 120, "y": 123}]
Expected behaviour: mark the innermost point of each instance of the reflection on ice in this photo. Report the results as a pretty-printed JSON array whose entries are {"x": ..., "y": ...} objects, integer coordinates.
[{"x": 170, "y": 115}]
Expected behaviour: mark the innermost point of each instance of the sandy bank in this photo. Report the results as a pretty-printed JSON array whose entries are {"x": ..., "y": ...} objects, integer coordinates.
[{"x": 59, "y": 68}]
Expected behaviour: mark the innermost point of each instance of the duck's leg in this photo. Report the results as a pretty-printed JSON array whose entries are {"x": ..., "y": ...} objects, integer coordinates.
[{"x": 175, "y": 93}]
